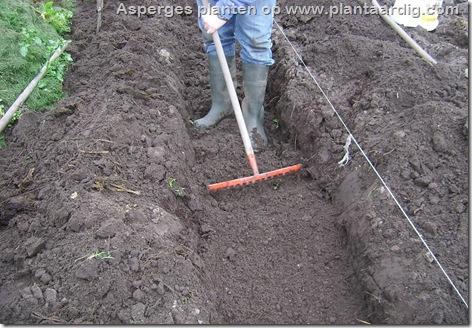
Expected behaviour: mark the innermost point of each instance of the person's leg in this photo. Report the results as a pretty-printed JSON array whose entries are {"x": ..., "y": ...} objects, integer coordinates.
[
  {"x": 253, "y": 31},
  {"x": 220, "y": 101}
]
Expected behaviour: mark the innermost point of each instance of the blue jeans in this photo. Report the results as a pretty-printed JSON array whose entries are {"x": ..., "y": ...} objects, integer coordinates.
[{"x": 253, "y": 31}]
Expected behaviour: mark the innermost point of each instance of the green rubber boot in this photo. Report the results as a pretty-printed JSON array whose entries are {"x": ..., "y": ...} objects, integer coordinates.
[
  {"x": 254, "y": 83},
  {"x": 220, "y": 101}
]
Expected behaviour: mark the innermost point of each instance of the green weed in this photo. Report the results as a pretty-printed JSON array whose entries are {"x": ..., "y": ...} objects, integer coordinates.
[
  {"x": 31, "y": 44},
  {"x": 100, "y": 255},
  {"x": 11, "y": 123},
  {"x": 185, "y": 300},
  {"x": 175, "y": 188},
  {"x": 58, "y": 17},
  {"x": 276, "y": 123}
]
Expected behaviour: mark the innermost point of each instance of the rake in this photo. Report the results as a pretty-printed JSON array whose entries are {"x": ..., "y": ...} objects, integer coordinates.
[{"x": 256, "y": 177}]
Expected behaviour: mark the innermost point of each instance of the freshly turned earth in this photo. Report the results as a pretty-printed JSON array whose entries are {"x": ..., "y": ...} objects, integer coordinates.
[{"x": 105, "y": 216}]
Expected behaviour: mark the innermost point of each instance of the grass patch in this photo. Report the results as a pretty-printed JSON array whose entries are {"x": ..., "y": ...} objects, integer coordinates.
[{"x": 30, "y": 31}]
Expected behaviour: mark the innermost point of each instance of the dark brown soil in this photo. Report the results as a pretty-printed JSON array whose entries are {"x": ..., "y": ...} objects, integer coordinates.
[
  {"x": 116, "y": 170},
  {"x": 409, "y": 117}
]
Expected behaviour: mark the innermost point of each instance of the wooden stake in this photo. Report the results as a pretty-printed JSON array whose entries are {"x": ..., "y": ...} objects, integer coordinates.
[
  {"x": 412, "y": 43},
  {"x": 99, "y": 14}
]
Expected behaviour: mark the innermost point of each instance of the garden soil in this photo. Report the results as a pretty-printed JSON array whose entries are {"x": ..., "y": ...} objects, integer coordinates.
[{"x": 105, "y": 216}]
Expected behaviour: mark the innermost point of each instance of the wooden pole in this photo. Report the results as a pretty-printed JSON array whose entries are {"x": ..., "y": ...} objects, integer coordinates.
[
  {"x": 99, "y": 14},
  {"x": 27, "y": 91},
  {"x": 412, "y": 43}
]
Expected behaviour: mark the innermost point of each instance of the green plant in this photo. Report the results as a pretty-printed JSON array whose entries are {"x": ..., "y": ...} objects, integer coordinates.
[
  {"x": 30, "y": 49},
  {"x": 100, "y": 255},
  {"x": 49, "y": 89},
  {"x": 30, "y": 37},
  {"x": 58, "y": 67},
  {"x": 2, "y": 108},
  {"x": 13, "y": 120},
  {"x": 175, "y": 188},
  {"x": 276, "y": 123},
  {"x": 185, "y": 300},
  {"x": 58, "y": 17}
]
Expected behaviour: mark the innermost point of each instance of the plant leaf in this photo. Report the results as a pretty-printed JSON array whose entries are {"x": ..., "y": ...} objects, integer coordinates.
[{"x": 23, "y": 51}]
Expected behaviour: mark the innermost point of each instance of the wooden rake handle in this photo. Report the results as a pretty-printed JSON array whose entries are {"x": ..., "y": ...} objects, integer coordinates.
[{"x": 234, "y": 99}]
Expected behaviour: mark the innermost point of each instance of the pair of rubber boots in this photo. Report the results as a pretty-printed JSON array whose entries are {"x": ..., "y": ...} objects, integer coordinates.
[{"x": 254, "y": 84}]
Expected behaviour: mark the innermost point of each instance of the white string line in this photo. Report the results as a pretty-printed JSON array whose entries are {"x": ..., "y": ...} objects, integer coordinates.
[{"x": 372, "y": 166}]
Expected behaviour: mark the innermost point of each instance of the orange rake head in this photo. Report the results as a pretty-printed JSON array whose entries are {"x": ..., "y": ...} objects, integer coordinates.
[{"x": 255, "y": 178}]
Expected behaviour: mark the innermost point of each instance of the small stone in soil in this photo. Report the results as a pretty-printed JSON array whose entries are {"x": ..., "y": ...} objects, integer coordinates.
[
  {"x": 45, "y": 278},
  {"x": 230, "y": 253},
  {"x": 136, "y": 216},
  {"x": 439, "y": 143},
  {"x": 438, "y": 317},
  {"x": 405, "y": 174},
  {"x": 138, "y": 295},
  {"x": 430, "y": 227},
  {"x": 163, "y": 266},
  {"x": 37, "y": 292},
  {"x": 36, "y": 245},
  {"x": 39, "y": 273},
  {"x": 137, "y": 312},
  {"x": 160, "y": 289},
  {"x": 434, "y": 200},
  {"x": 87, "y": 270},
  {"x": 453, "y": 189},
  {"x": 26, "y": 292},
  {"x": 50, "y": 295},
  {"x": 134, "y": 264},
  {"x": 177, "y": 317},
  {"x": 460, "y": 208},
  {"x": 205, "y": 228},
  {"x": 124, "y": 315},
  {"x": 429, "y": 257},
  {"x": 423, "y": 181},
  {"x": 155, "y": 172},
  {"x": 433, "y": 186},
  {"x": 107, "y": 230}
]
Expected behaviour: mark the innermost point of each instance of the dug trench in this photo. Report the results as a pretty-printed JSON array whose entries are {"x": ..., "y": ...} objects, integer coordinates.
[{"x": 106, "y": 217}]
